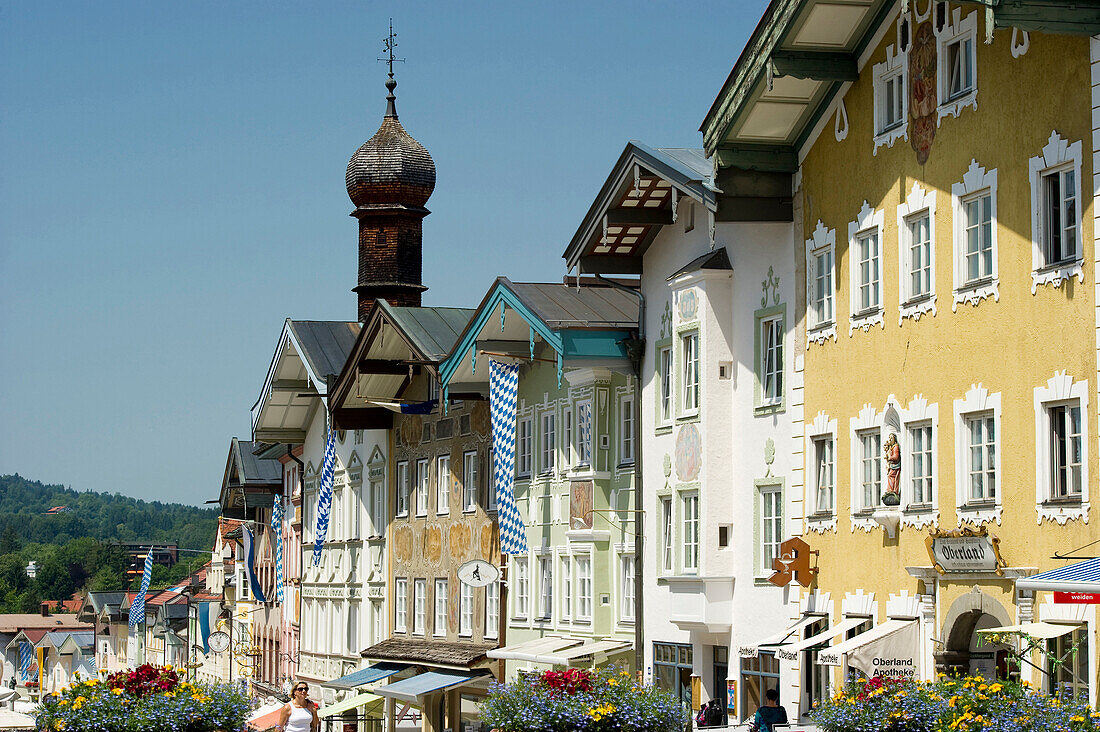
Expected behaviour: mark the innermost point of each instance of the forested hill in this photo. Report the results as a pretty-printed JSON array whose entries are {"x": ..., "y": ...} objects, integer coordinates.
[{"x": 101, "y": 516}]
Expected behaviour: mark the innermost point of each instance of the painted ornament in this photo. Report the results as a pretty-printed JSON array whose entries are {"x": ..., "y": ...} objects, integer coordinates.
[
  {"x": 922, "y": 90},
  {"x": 689, "y": 453},
  {"x": 688, "y": 305}
]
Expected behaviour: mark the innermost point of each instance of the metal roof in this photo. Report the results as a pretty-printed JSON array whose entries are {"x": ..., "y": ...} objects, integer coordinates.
[
  {"x": 325, "y": 343},
  {"x": 253, "y": 469},
  {"x": 432, "y": 330},
  {"x": 561, "y": 306},
  {"x": 1078, "y": 577},
  {"x": 718, "y": 259}
]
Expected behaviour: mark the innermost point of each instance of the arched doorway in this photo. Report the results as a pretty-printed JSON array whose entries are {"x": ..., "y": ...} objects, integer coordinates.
[{"x": 962, "y": 650}]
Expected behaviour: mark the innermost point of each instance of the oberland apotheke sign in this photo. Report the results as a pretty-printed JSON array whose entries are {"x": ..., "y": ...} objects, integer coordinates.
[{"x": 965, "y": 551}]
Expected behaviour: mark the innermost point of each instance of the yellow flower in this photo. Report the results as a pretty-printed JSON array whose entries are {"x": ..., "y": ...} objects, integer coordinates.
[
  {"x": 995, "y": 688},
  {"x": 168, "y": 666},
  {"x": 63, "y": 703},
  {"x": 612, "y": 682},
  {"x": 59, "y": 724},
  {"x": 116, "y": 692}
]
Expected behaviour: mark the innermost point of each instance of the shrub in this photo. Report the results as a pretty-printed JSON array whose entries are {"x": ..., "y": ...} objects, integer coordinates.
[{"x": 595, "y": 701}]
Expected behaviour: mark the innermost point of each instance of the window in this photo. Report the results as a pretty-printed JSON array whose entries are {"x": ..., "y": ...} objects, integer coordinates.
[
  {"x": 403, "y": 488},
  {"x": 956, "y": 71},
  {"x": 974, "y": 204},
  {"x": 865, "y": 279},
  {"x": 870, "y": 271},
  {"x": 626, "y": 431},
  {"x": 567, "y": 438},
  {"x": 378, "y": 506},
  {"x": 920, "y": 464},
  {"x": 981, "y": 463},
  {"x": 917, "y": 253},
  {"x": 422, "y": 482},
  {"x": 823, "y": 287},
  {"x": 584, "y": 433},
  {"x": 549, "y": 443},
  {"x": 771, "y": 360},
  {"x": 870, "y": 469},
  {"x": 441, "y": 607},
  {"x": 690, "y": 558},
  {"x": 491, "y": 499},
  {"x": 757, "y": 676},
  {"x": 689, "y": 344},
  {"x": 584, "y": 588},
  {"x": 546, "y": 588},
  {"x": 1066, "y": 451},
  {"x": 420, "y": 596},
  {"x": 401, "y": 604},
  {"x": 1056, "y": 213},
  {"x": 523, "y": 446},
  {"x": 959, "y": 63},
  {"x": 1070, "y": 678},
  {"x": 920, "y": 256},
  {"x": 664, "y": 366},
  {"x": 891, "y": 97},
  {"x": 492, "y": 610},
  {"x": 666, "y": 534},
  {"x": 821, "y": 283},
  {"x": 770, "y": 502},
  {"x": 626, "y": 609},
  {"x": 816, "y": 675},
  {"x": 469, "y": 480},
  {"x": 891, "y": 103},
  {"x": 443, "y": 484},
  {"x": 466, "y": 610},
  {"x": 566, "y": 588},
  {"x": 824, "y": 455},
  {"x": 672, "y": 670},
  {"x": 522, "y": 587}
]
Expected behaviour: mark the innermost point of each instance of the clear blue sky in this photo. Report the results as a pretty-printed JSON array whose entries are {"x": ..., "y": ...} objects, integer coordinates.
[{"x": 172, "y": 188}]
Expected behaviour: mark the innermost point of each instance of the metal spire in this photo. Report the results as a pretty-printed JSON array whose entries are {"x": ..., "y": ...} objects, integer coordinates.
[{"x": 388, "y": 44}]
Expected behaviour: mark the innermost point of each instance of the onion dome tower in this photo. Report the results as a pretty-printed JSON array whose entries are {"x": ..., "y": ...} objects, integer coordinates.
[{"x": 389, "y": 180}]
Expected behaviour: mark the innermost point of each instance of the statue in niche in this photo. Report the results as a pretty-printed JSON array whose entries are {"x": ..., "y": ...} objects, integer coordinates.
[{"x": 891, "y": 453}]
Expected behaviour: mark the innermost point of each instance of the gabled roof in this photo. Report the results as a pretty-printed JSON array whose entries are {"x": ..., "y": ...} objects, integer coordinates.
[
  {"x": 432, "y": 331},
  {"x": 636, "y": 200},
  {"x": 14, "y": 622},
  {"x": 444, "y": 653},
  {"x": 249, "y": 481},
  {"x": 716, "y": 260}
]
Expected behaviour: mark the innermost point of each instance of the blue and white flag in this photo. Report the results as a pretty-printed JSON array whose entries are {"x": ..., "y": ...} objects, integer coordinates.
[
  {"x": 26, "y": 661},
  {"x": 324, "y": 499},
  {"x": 137, "y": 609},
  {"x": 208, "y": 618},
  {"x": 408, "y": 407},
  {"x": 503, "y": 385},
  {"x": 277, "y": 529},
  {"x": 250, "y": 565}
]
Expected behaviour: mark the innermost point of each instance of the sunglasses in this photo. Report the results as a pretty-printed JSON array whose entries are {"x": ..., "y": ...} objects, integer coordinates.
[{"x": 302, "y": 688}]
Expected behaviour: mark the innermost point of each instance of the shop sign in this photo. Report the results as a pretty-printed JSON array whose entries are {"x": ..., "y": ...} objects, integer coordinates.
[
  {"x": 793, "y": 563},
  {"x": 964, "y": 550},
  {"x": 1077, "y": 598},
  {"x": 731, "y": 696},
  {"x": 478, "y": 573}
]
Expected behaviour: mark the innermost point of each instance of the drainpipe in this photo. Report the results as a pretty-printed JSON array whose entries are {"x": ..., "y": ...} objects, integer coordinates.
[{"x": 636, "y": 352}]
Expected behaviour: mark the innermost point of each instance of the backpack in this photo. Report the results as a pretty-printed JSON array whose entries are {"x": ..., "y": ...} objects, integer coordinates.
[{"x": 701, "y": 717}]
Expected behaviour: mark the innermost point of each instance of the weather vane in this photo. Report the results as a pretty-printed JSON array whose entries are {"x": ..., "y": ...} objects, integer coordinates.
[{"x": 388, "y": 44}]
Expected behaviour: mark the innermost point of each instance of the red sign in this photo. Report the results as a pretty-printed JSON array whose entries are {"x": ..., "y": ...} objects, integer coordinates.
[{"x": 1078, "y": 598}]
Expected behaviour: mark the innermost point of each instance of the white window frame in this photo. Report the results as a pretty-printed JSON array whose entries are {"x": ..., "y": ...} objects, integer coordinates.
[
  {"x": 977, "y": 181},
  {"x": 443, "y": 484},
  {"x": 976, "y": 402},
  {"x": 548, "y": 443},
  {"x": 627, "y": 431},
  {"x": 524, "y": 440},
  {"x": 918, "y": 203},
  {"x": 868, "y": 224},
  {"x": 771, "y": 379},
  {"x": 895, "y": 70},
  {"x": 439, "y": 629},
  {"x": 668, "y": 535},
  {"x": 1059, "y": 391},
  {"x": 764, "y": 493},
  {"x": 919, "y": 413},
  {"x": 491, "y": 480},
  {"x": 956, "y": 29},
  {"x": 821, "y": 285},
  {"x": 465, "y": 610},
  {"x": 689, "y": 373},
  {"x": 545, "y": 609},
  {"x": 626, "y": 588},
  {"x": 420, "y": 599},
  {"x": 521, "y": 572},
  {"x": 470, "y": 480},
  {"x": 565, "y": 571},
  {"x": 1058, "y": 157},
  {"x": 401, "y": 604},
  {"x": 821, "y": 430},
  {"x": 867, "y": 421},
  {"x": 568, "y": 435},
  {"x": 666, "y": 391},
  {"x": 690, "y": 531},
  {"x": 423, "y": 485},
  {"x": 402, "y": 488},
  {"x": 583, "y": 577},
  {"x": 492, "y": 610},
  {"x": 585, "y": 449}
]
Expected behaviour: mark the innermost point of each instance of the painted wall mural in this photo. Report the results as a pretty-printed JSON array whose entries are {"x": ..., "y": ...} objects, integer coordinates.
[
  {"x": 922, "y": 90},
  {"x": 689, "y": 453}
]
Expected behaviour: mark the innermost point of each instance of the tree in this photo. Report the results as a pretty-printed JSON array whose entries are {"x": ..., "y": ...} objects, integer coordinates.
[{"x": 9, "y": 540}]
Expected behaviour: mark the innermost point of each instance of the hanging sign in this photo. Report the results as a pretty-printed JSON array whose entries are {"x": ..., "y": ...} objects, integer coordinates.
[
  {"x": 964, "y": 550},
  {"x": 218, "y": 641},
  {"x": 478, "y": 573},
  {"x": 1077, "y": 598}
]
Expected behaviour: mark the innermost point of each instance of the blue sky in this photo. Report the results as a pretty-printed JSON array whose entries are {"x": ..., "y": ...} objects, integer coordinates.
[{"x": 172, "y": 188}]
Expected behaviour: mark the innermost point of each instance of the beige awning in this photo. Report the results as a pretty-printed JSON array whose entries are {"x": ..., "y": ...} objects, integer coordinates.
[
  {"x": 565, "y": 657},
  {"x": 891, "y": 629},
  {"x": 1043, "y": 630},
  {"x": 530, "y": 650},
  {"x": 792, "y": 633},
  {"x": 786, "y": 652}
]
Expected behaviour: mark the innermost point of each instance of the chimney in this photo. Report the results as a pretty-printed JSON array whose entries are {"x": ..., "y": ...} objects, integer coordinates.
[{"x": 44, "y": 609}]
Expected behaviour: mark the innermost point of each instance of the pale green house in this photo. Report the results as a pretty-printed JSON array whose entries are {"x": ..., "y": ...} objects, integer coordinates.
[{"x": 572, "y": 599}]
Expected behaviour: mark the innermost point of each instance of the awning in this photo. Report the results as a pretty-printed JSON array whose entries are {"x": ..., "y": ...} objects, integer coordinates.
[
  {"x": 370, "y": 703},
  {"x": 890, "y": 649},
  {"x": 1078, "y": 577},
  {"x": 1045, "y": 631},
  {"x": 792, "y": 633},
  {"x": 564, "y": 658},
  {"x": 411, "y": 689},
  {"x": 790, "y": 651},
  {"x": 367, "y": 675},
  {"x": 265, "y": 717},
  {"x": 530, "y": 650}
]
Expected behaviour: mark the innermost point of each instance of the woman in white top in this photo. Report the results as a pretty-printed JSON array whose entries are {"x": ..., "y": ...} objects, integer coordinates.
[{"x": 300, "y": 715}]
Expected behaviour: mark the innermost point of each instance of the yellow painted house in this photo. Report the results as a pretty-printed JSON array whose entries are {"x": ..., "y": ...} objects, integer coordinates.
[{"x": 942, "y": 156}]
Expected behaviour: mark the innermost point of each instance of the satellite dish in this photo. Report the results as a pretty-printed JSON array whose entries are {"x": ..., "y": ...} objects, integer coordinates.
[
  {"x": 218, "y": 641},
  {"x": 478, "y": 573}
]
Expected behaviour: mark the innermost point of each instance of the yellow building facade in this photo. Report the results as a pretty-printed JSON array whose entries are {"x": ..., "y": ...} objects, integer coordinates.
[{"x": 942, "y": 161}]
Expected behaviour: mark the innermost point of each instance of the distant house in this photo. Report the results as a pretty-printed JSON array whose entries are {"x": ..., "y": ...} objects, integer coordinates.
[
  {"x": 33, "y": 627},
  {"x": 57, "y": 510}
]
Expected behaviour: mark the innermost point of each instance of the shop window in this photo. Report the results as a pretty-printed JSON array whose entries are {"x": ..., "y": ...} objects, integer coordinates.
[
  {"x": 1068, "y": 665},
  {"x": 672, "y": 669},
  {"x": 757, "y": 676}
]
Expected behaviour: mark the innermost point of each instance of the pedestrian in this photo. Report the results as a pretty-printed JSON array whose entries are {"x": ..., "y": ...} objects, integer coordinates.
[
  {"x": 769, "y": 714},
  {"x": 300, "y": 714}
]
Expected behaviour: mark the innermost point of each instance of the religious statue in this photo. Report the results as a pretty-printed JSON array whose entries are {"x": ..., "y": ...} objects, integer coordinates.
[{"x": 892, "y": 456}]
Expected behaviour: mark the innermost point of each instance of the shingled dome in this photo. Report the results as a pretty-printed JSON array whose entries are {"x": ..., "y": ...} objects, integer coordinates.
[{"x": 391, "y": 167}]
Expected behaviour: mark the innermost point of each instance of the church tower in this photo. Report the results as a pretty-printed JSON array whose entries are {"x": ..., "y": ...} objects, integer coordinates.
[{"x": 389, "y": 180}]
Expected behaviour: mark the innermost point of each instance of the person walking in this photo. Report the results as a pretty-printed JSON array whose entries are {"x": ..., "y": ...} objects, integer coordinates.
[
  {"x": 300, "y": 714},
  {"x": 769, "y": 714}
]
